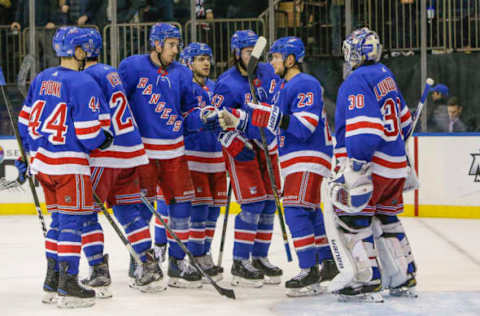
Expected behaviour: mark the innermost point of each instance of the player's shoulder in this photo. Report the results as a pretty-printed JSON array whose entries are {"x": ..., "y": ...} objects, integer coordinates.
[
  {"x": 266, "y": 67},
  {"x": 227, "y": 77},
  {"x": 83, "y": 83},
  {"x": 134, "y": 60}
]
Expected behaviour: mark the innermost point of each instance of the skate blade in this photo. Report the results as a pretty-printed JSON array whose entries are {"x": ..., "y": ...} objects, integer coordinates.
[
  {"x": 183, "y": 284},
  {"x": 102, "y": 291},
  {"x": 50, "y": 298},
  {"x": 272, "y": 280},
  {"x": 153, "y": 287},
  {"x": 363, "y": 297},
  {"x": 216, "y": 278},
  {"x": 238, "y": 281},
  {"x": 310, "y": 290},
  {"x": 74, "y": 302},
  {"x": 404, "y": 292}
]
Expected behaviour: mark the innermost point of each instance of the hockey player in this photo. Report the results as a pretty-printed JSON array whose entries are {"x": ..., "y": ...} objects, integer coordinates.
[
  {"x": 159, "y": 91},
  {"x": 246, "y": 164},
  {"x": 59, "y": 129},
  {"x": 115, "y": 180},
  {"x": 371, "y": 121},
  {"x": 206, "y": 163},
  {"x": 305, "y": 153}
]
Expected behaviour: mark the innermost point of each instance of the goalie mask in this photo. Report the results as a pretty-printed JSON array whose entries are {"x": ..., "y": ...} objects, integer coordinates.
[{"x": 361, "y": 46}]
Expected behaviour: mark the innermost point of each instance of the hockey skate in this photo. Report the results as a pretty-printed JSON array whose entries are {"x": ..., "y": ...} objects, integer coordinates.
[
  {"x": 245, "y": 274},
  {"x": 328, "y": 271},
  {"x": 369, "y": 293},
  {"x": 272, "y": 274},
  {"x": 50, "y": 284},
  {"x": 406, "y": 289},
  {"x": 182, "y": 275},
  {"x": 206, "y": 263},
  {"x": 70, "y": 293},
  {"x": 148, "y": 276},
  {"x": 99, "y": 279},
  {"x": 306, "y": 283}
]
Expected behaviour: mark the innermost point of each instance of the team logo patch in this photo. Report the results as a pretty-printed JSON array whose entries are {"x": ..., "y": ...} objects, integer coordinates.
[
  {"x": 68, "y": 199},
  {"x": 253, "y": 190}
]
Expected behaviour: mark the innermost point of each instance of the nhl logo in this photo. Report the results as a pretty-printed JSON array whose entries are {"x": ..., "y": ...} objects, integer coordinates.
[
  {"x": 253, "y": 190},
  {"x": 68, "y": 199}
]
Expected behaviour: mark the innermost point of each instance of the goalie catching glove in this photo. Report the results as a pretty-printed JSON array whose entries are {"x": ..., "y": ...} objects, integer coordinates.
[
  {"x": 237, "y": 146},
  {"x": 352, "y": 187}
]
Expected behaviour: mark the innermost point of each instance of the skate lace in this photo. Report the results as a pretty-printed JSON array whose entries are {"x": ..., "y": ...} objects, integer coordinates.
[
  {"x": 186, "y": 267},
  {"x": 303, "y": 273},
  {"x": 267, "y": 263},
  {"x": 248, "y": 265}
]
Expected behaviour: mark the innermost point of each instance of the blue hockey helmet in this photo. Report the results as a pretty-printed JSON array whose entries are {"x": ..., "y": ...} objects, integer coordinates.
[
  {"x": 195, "y": 49},
  {"x": 289, "y": 45},
  {"x": 94, "y": 45},
  {"x": 242, "y": 39},
  {"x": 161, "y": 31},
  {"x": 362, "y": 45},
  {"x": 66, "y": 39}
]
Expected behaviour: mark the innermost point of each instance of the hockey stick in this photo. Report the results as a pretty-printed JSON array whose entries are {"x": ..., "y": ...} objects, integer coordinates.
[
  {"x": 342, "y": 256},
  {"x": 27, "y": 63},
  {"x": 426, "y": 90},
  {"x": 225, "y": 221},
  {"x": 251, "y": 67},
  {"x": 222, "y": 291},
  {"x": 22, "y": 153},
  {"x": 117, "y": 229}
]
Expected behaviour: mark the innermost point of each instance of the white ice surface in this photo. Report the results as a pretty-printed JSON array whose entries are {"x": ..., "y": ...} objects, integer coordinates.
[{"x": 447, "y": 252}]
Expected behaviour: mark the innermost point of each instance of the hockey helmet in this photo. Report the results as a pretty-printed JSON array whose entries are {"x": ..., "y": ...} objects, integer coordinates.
[
  {"x": 94, "y": 45},
  {"x": 289, "y": 45},
  {"x": 242, "y": 39},
  {"x": 362, "y": 45},
  {"x": 195, "y": 49},
  {"x": 66, "y": 39},
  {"x": 161, "y": 31}
]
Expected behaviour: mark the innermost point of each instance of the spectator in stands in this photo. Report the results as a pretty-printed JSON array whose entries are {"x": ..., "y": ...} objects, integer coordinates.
[
  {"x": 80, "y": 12},
  {"x": 455, "y": 124},
  {"x": 437, "y": 109},
  {"x": 236, "y": 9},
  {"x": 158, "y": 10},
  {"x": 46, "y": 12}
]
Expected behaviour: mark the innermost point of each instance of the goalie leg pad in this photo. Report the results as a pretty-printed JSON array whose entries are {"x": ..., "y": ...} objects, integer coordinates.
[
  {"x": 358, "y": 235},
  {"x": 395, "y": 253}
]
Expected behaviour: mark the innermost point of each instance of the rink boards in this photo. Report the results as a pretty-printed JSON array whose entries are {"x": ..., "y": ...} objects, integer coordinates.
[{"x": 448, "y": 168}]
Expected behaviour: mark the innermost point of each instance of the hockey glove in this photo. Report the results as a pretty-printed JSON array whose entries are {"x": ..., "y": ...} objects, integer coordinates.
[
  {"x": 108, "y": 140},
  {"x": 237, "y": 146},
  {"x": 209, "y": 116},
  {"x": 266, "y": 115},
  {"x": 22, "y": 170},
  {"x": 352, "y": 187},
  {"x": 233, "y": 119}
]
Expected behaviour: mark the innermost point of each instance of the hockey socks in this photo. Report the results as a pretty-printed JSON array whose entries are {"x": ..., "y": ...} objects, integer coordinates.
[
  {"x": 179, "y": 223},
  {"x": 70, "y": 241},
  {"x": 135, "y": 226},
  {"x": 160, "y": 234},
  {"x": 263, "y": 236},
  {"x": 246, "y": 224},
  {"x": 301, "y": 222},
  {"x": 92, "y": 239},
  {"x": 321, "y": 241},
  {"x": 213, "y": 213},
  {"x": 196, "y": 242},
  {"x": 51, "y": 241}
]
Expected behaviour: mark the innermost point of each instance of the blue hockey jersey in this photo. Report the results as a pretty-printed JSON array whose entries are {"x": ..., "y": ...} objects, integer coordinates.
[
  {"x": 306, "y": 145},
  {"x": 127, "y": 149},
  {"x": 158, "y": 99},
  {"x": 203, "y": 150},
  {"x": 371, "y": 119},
  {"x": 61, "y": 121},
  {"x": 232, "y": 90}
]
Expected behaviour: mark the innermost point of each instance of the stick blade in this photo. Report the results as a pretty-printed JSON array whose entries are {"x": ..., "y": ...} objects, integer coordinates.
[
  {"x": 228, "y": 293},
  {"x": 256, "y": 54}
]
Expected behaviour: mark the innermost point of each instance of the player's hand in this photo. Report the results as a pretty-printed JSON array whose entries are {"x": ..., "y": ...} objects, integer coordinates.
[
  {"x": 210, "y": 118},
  {"x": 266, "y": 115},
  {"x": 233, "y": 119},
  {"x": 22, "y": 168},
  {"x": 237, "y": 146}
]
